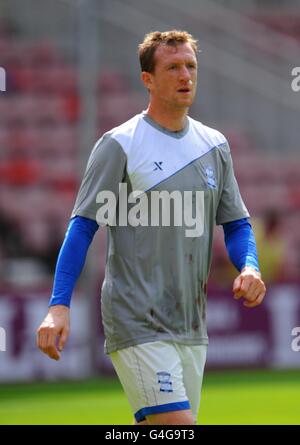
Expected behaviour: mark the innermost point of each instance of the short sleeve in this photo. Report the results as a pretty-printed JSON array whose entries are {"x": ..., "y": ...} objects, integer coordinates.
[
  {"x": 105, "y": 169},
  {"x": 231, "y": 205}
]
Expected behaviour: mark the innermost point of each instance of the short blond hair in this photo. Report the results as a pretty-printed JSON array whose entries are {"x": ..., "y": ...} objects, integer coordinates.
[{"x": 147, "y": 48}]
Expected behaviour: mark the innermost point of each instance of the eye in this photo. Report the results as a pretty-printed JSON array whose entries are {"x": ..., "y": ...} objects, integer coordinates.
[{"x": 172, "y": 67}]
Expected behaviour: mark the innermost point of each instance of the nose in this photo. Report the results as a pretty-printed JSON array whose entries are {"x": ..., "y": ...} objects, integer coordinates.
[{"x": 185, "y": 74}]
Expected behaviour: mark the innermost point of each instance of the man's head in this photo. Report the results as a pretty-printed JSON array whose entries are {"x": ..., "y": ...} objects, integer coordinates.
[
  {"x": 169, "y": 67},
  {"x": 155, "y": 39}
]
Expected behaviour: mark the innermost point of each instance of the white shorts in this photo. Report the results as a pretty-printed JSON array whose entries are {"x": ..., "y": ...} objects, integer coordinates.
[{"x": 161, "y": 376}]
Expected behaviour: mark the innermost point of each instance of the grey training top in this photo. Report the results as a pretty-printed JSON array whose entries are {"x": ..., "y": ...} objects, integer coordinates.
[{"x": 156, "y": 272}]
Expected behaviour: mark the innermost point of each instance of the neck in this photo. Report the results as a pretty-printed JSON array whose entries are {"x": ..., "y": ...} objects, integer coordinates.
[{"x": 171, "y": 119}]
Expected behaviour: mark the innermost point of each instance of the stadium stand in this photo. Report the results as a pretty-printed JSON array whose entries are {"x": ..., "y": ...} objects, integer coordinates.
[{"x": 39, "y": 149}]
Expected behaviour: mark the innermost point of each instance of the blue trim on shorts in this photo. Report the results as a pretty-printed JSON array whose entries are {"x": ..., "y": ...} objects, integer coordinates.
[{"x": 157, "y": 409}]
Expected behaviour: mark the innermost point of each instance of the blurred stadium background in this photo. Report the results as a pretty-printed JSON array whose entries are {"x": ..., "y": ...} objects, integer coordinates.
[{"x": 72, "y": 73}]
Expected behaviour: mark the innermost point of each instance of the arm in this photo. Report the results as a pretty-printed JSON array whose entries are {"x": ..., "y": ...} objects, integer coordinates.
[
  {"x": 70, "y": 263},
  {"x": 241, "y": 248},
  {"x": 105, "y": 170}
]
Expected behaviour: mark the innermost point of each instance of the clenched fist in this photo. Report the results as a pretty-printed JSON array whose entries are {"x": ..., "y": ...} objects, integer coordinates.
[
  {"x": 55, "y": 327},
  {"x": 250, "y": 286}
]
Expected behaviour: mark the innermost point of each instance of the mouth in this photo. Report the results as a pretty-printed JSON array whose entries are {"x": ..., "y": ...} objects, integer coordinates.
[{"x": 184, "y": 90}]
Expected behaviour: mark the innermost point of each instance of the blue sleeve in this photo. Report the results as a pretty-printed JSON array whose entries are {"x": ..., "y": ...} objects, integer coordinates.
[
  {"x": 240, "y": 244},
  {"x": 71, "y": 258}
]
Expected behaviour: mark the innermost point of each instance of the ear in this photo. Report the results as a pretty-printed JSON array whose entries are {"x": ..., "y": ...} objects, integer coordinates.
[{"x": 147, "y": 79}]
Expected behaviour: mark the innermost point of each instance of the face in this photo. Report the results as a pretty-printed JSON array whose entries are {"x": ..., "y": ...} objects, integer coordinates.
[{"x": 174, "y": 80}]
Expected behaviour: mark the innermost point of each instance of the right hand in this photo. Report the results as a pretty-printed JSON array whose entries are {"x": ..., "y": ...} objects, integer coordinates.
[{"x": 55, "y": 325}]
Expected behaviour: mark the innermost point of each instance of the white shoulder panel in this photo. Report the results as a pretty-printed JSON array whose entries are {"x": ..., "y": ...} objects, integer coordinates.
[
  {"x": 209, "y": 135},
  {"x": 153, "y": 156},
  {"x": 125, "y": 133}
]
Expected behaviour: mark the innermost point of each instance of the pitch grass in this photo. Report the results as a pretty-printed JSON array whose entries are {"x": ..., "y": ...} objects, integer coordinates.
[{"x": 252, "y": 397}]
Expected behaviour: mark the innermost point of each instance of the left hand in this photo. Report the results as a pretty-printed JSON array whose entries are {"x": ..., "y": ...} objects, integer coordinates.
[{"x": 250, "y": 286}]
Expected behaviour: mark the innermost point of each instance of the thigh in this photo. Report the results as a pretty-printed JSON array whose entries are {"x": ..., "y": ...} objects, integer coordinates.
[
  {"x": 193, "y": 359},
  {"x": 152, "y": 377}
]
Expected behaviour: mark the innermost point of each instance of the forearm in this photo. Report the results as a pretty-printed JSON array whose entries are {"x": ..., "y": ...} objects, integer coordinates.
[
  {"x": 71, "y": 259},
  {"x": 240, "y": 244}
]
